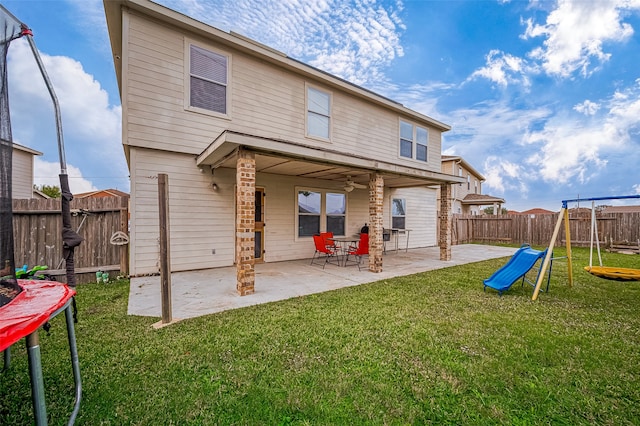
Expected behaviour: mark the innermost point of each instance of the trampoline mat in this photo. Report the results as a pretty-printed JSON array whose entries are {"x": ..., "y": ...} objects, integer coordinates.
[{"x": 31, "y": 308}]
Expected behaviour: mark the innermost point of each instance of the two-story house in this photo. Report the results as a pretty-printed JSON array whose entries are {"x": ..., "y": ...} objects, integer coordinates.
[
  {"x": 467, "y": 197},
  {"x": 261, "y": 151}
]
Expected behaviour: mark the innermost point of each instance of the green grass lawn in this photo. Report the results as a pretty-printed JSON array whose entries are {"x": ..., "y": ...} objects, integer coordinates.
[{"x": 430, "y": 348}]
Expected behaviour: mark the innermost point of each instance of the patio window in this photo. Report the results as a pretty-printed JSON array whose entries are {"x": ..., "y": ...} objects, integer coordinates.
[
  {"x": 207, "y": 80},
  {"x": 320, "y": 211},
  {"x": 318, "y": 113},
  {"x": 413, "y": 141},
  {"x": 309, "y": 213},
  {"x": 336, "y": 212},
  {"x": 398, "y": 213}
]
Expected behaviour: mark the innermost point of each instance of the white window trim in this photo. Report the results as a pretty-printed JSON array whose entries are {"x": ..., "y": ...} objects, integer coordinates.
[
  {"x": 414, "y": 142},
  {"x": 308, "y": 86},
  {"x": 187, "y": 80},
  {"x": 323, "y": 209}
]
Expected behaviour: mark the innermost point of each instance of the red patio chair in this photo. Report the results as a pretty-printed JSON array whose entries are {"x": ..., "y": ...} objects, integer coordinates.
[
  {"x": 327, "y": 237},
  {"x": 323, "y": 251},
  {"x": 358, "y": 251}
]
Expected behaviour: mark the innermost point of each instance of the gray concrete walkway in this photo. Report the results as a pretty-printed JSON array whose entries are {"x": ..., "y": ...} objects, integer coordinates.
[{"x": 203, "y": 292}]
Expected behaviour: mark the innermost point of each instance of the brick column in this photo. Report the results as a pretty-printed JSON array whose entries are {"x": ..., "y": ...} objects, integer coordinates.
[
  {"x": 245, "y": 221},
  {"x": 376, "y": 198},
  {"x": 445, "y": 222}
]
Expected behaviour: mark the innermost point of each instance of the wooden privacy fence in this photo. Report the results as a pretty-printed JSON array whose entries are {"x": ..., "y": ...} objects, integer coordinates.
[
  {"x": 38, "y": 235},
  {"x": 613, "y": 228}
]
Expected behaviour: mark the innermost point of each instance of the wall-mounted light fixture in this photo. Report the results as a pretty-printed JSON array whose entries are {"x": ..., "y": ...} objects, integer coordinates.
[{"x": 214, "y": 186}]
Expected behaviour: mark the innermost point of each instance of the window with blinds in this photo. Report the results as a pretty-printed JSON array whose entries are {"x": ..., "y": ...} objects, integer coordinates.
[
  {"x": 208, "y": 80},
  {"x": 318, "y": 113}
]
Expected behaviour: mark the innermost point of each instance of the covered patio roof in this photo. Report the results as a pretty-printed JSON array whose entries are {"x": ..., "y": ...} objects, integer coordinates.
[{"x": 294, "y": 159}]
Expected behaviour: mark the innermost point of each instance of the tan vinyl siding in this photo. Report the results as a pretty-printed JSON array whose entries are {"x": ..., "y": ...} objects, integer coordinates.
[
  {"x": 265, "y": 100},
  {"x": 421, "y": 215},
  {"x": 22, "y": 175},
  {"x": 200, "y": 219}
]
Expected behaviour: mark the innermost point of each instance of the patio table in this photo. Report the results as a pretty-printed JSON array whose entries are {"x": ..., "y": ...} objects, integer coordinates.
[
  {"x": 396, "y": 233},
  {"x": 343, "y": 243}
]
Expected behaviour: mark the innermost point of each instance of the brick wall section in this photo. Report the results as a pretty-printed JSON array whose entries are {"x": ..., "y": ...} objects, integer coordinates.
[
  {"x": 445, "y": 222},
  {"x": 245, "y": 222},
  {"x": 376, "y": 197}
]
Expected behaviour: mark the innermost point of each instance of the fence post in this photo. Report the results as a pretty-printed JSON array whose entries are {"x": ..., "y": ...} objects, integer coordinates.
[
  {"x": 124, "y": 227},
  {"x": 165, "y": 255}
]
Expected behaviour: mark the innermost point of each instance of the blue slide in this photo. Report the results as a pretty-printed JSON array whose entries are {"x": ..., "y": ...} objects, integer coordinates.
[{"x": 517, "y": 267}]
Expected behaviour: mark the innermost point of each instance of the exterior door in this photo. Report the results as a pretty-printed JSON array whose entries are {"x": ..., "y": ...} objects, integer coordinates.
[{"x": 259, "y": 226}]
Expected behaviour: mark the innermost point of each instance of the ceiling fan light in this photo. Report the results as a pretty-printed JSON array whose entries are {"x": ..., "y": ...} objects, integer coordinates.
[{"x": 348, "y": 188}]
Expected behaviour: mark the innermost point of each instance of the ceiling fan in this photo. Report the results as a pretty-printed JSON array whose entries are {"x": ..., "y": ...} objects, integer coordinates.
[{"x": 350, "y": 185}]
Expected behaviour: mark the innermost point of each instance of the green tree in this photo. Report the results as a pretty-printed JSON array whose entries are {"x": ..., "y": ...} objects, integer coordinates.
[
  {"x": 489, "y": 210},
  {"x": 52, "y": 191}
]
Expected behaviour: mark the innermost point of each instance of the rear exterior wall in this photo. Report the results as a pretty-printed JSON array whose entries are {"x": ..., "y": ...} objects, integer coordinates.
[{"x": 202, "y": 220}]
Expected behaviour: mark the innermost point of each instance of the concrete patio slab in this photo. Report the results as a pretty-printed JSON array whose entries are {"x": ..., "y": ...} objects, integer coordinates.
[{"x": 196, "y": 293}]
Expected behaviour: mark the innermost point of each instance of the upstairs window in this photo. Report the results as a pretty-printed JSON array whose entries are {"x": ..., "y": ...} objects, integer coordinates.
[
  {"x": 207, "y": 80},
  {"x": 318, "y": 113},
  {"x": 406, "y": 139},
  {"x": 413, "y": 141},
  {"x": 421, "y": 144}
]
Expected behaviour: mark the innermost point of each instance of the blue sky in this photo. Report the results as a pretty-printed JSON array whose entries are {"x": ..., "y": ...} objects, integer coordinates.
[{"x": 543, "y": 97}]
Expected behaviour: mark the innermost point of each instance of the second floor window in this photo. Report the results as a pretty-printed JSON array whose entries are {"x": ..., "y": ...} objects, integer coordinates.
[
  {"x": 318, "y": 113},
  {"x": 413, "y": 141},
  {"x": 207, "y": 80}
]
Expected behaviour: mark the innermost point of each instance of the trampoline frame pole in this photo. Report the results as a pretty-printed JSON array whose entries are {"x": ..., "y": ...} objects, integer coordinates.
[
  {"x": 7, "y": 358},
  {"x": 37, "y": 381},
  {"x": 56, "y": 105},
  {"x": 75, "y": 362}
]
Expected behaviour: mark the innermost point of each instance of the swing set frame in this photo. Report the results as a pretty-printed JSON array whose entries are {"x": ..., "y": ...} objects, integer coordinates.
[{"x": 564, "y": 216}]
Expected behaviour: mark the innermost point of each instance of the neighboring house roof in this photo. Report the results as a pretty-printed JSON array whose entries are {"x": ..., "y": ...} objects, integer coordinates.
[
  {"x": 536, "y": 210},
  {"x": 39, "y": 194},
  {"x": 465, "y": 165},
  {"x": 101, "y": 193},
  {"x": 620, "y": 209},
  {"x": 26, "y": 149},
  {"x": 481, "y": 199}
]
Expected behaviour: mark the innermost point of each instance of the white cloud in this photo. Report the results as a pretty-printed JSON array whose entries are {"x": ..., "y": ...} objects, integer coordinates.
[
  {"x": 502, "y": 175},
  {"x": 91, "y": 127},
  {"x": 353, "y": 39},
  {"x": 503, "y": 69},
  {"x": 587, "y": 107},
  {"x": 89, "y": 19},
  {"x": 571, "y": 150},
  {"x": 575, "y": 33},
  {"x": 47, "y": 173}
]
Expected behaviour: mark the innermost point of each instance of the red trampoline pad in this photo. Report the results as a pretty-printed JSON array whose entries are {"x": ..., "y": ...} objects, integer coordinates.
[{"x": 31, "y": 308}]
